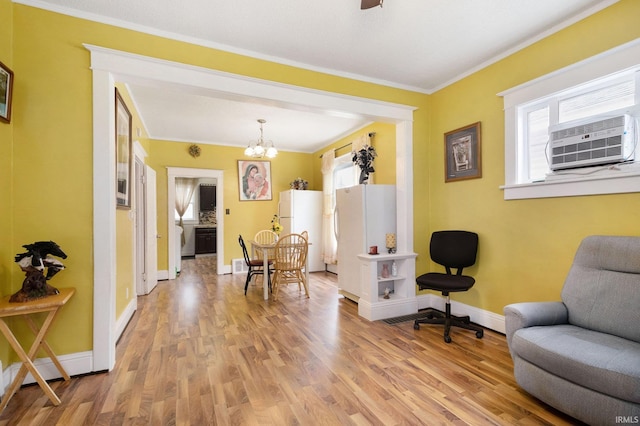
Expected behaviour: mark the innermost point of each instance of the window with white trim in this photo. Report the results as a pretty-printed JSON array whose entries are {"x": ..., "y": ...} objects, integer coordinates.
[
  {"x": 594, "y": 98},
  {"x": 607, "y": 83}
]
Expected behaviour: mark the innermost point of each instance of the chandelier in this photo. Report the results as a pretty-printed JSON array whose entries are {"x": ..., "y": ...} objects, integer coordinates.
[{"x": 261, "y": 148}]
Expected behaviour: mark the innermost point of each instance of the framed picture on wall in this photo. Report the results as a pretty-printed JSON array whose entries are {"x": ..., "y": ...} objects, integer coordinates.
[
  {"x": 123, "y": 154},
  {"x": 6, "y": 92},
  {"x": 254, "y": 180},
  {"x": 463, "y": 159}
]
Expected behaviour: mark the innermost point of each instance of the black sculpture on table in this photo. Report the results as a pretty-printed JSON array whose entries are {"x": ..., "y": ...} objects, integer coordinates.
[{"x": 33, "y": 263}]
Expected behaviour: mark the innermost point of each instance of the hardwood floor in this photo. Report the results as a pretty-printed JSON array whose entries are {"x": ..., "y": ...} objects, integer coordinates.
[{"x": 198, "y": 352}]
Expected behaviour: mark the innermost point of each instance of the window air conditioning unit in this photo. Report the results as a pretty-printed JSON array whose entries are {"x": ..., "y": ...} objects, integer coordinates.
[{"x": 593, "y": 141}]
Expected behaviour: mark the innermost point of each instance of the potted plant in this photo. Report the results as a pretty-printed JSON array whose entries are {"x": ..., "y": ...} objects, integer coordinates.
[{"x": 363, "y": 158}]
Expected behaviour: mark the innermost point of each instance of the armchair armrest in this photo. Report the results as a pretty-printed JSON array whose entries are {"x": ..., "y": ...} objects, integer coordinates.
[{"x": 530, "y": 314}]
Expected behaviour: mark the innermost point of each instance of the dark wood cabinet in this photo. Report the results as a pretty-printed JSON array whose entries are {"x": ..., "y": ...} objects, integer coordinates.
[
  {"x": 205, "y": 240},
  {"x": 207, "y": 198}
]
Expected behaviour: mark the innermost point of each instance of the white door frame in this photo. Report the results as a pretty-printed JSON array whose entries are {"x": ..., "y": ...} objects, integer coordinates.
[
  {"x": 172, "y": 174},
  {"x": 109, "y": 66},
  {"x": 140, "y": 246}
]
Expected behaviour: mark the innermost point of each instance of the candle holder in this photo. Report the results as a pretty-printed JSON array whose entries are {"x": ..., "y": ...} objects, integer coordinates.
[{"x": 390, "y": 240}]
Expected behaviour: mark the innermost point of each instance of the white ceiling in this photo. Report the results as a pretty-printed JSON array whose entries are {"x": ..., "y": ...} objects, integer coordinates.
[{"x": 419, "y": 45}]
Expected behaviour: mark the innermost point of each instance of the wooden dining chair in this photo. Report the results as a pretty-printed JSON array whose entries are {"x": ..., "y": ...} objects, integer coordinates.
[
  {"x": 266, "y": 236},
  {"x": 289, "y": 262}
]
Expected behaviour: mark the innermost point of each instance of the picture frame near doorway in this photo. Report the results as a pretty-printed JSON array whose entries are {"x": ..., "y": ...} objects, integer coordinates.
[
  {"x": 254, "y": 180},
  {"x": 123, "y": 153},
  {"x": 6, "y": 92},
  {"x": 463, "y": 154}
]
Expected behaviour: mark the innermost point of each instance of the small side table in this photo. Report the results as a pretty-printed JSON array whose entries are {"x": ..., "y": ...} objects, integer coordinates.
[{"x": 50, "y": 304}]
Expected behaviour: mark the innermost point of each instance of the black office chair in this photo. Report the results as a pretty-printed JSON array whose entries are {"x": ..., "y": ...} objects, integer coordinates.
[
  {"x": 451, "y": 249},
  {"x": 256, "y": 266}
]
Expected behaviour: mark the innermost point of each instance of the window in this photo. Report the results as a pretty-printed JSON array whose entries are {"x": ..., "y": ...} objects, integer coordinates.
[
  {"x": 188, "y": 215},
  {"x": 345, "y": 173},
  {"x": 604, "y": 84},
  {"x": 601, "y": 96}
]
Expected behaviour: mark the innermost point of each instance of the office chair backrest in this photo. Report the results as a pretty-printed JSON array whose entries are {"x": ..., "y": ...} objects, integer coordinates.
[{"x": 454, "y": 249}]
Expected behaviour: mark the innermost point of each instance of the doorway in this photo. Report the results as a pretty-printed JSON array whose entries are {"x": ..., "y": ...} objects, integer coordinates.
[
  {"x": 173, "y": 236},
  {"x": 108, "y": 66}
]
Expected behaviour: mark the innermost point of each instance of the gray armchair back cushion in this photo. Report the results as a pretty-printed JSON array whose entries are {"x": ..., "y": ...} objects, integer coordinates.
[{"x": 602, "y": 289}]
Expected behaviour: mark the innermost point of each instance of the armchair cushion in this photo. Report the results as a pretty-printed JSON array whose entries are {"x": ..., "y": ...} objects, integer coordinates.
[{"x": 602, "y": 362}]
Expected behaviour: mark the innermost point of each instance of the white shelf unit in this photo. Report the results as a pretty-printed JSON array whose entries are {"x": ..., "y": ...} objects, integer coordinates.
[{"x": 402, "y": 300}]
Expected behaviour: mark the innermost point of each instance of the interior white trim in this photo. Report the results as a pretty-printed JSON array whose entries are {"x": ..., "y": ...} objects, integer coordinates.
[
  {"x": 110, "y": 65},
  {"x": 479, "y": 316}
]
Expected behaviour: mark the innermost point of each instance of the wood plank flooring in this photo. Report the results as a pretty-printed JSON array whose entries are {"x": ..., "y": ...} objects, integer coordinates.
[{"x": 199, "y": 352}]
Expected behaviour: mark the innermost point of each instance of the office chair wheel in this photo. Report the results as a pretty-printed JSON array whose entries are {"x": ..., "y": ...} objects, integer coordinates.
[
  {"x": 416, "y": 326},
  {"x": 479, "y": 334},
  {"x": 447, "y": 339}
]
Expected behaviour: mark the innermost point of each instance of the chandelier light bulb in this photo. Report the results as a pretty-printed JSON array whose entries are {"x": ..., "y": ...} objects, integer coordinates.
[{"x": 271, "y": 152}]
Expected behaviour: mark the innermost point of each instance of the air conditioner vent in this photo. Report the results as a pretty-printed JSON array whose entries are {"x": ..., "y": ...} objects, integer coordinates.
[
  {"x": 239, "y": 266},
  {"x": 587, "y": 143}
]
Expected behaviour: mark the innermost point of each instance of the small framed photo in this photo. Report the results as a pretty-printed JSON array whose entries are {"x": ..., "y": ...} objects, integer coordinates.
[
  {"x": 123, "y": 154},
  {"x": 6, "y": 92},
  {"x": 254, "y": 180},
  {"x": 463, "y": 159}
]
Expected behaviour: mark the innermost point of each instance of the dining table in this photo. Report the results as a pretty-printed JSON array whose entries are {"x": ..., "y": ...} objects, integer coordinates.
[{"x": 265, "y": 248}]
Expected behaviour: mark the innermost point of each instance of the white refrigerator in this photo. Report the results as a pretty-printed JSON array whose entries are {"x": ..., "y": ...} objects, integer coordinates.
[
  {"x": 301, "y": 210},
  {"x": 364, "y": 215}
]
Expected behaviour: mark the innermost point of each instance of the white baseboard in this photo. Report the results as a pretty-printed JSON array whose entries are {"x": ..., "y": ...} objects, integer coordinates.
[
  {"x": 389, "y": 309},
  {"x": 74, "y": 364},
  {"x": 479, "y": 316},
  {"x": 163, "y": 275},
  {"x": 121, "y": 323}
]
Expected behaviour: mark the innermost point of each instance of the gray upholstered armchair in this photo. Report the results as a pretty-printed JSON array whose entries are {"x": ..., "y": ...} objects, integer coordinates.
[{"x": 582, "y": 355}]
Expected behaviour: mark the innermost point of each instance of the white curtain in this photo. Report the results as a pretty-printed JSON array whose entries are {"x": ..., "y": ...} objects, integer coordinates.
[
  {"x": 185, "y": 188},
  {"x": 329, "y": 242},
  {"x": 359, "y": 143}
]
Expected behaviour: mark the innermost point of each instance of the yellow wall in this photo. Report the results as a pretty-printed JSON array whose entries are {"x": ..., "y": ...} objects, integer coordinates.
[
  {"x": 526, "y": 246},
  {"x": 6, "y": 147},
  {"x": 523, "y": 255}
]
